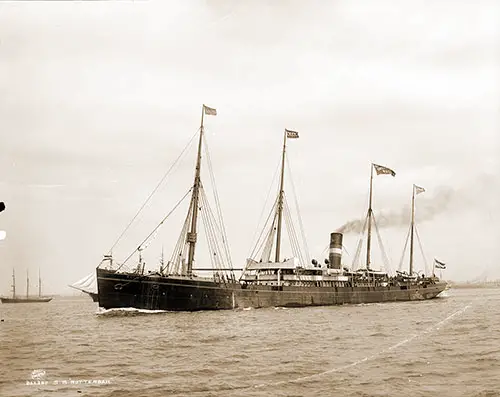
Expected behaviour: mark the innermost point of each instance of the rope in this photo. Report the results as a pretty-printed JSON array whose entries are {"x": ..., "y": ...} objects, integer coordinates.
[
  {"x": 211, "y": 229},
  {"x": 156, "y": 228},
  {"x": 426, "y": 264},
  {"x": 304, "y": 240},
  {"x": 359, "y": 246},
  {"x": 181, "y": 246},
  {"x": 269, "y": 241},
  {"x": 404, "y": 250},
  {"x": 153, "y": 192},
  {"x": 258, "y": 247},
  {"x": 294, "y": 241},
  {"x": 385, "y": 258},
  {"x": 217, "y": 204},
  {"x": 253, "y": 251}
]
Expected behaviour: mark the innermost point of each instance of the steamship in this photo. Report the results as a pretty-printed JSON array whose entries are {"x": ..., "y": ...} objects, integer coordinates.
[{"x": 182, "y": 285}]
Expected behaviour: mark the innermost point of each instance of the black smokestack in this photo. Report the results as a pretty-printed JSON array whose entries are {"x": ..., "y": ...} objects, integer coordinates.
[{"x": 335, "y": 256}]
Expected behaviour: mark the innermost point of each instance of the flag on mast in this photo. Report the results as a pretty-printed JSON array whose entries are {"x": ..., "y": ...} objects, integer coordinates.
[
  {"x": 418, "y": 189},
  {"x": 380, "y": 169},
  {"x": 291, "y": 134},
  {"x": 209, "y": 111},
  {"x": 439, "y": 265}
]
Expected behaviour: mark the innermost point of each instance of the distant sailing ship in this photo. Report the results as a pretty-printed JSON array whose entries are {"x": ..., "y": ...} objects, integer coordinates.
[
  {"x": 28, "y": 299},
  {"x": 289, "y": 282},
  {"x": 88, "y": 285}
]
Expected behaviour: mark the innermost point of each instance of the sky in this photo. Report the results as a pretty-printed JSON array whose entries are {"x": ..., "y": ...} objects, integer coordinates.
[{"x": 98, "y": 99}]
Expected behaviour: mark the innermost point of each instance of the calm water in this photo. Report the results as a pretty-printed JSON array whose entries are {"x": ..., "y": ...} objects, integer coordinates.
[{"x": 447, "y": 347}]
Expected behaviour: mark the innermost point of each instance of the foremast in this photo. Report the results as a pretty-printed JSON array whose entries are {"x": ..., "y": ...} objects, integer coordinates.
[
  {"x": 195, "y": 197},
  {"x": 183, "y": 258},
  {"x": 192, "y": 235}
]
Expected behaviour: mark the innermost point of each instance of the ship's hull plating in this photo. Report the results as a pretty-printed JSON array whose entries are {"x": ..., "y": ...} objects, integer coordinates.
[
  {"x": 94, "y": 296},
  {"x": 25, "y": 300},
  {"x": 119, "y": 290}
]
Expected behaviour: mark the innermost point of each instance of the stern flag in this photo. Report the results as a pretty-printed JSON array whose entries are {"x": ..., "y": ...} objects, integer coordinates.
[
  {"x": 291, "y": 134},
  {"x": 210, "y": 111},
  {"x": 439, "y": 265},
  {"x": 418, "y": 189},
  {"x": 380, "y": 169}
]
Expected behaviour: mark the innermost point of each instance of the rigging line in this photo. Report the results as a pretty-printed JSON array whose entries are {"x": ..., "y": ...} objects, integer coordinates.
[
  {"x": 207, "y": 232},
  {"x": 180, "y": 244},
  {"x": 404, "y": 249},
  {"x": 422, "y": 251},
  {"x": 301, "y": 225},
  {"x": 264, "y": 207},
  {"x": 211, "y": 232},
  {"x": 154, "y": 191},
  {"x": 359, "y": 245},
  {"x": 294, "y": 241},
  {"x": 290, "y": 230},
  {"x": 218, "y": 207},
  {"x": 224, "y": 253},
  {"x": 156, "y": 228},
  {"x": 257, "y": 246},
  {"x": 385, "y": 258},
  {"x": 267, "y": 244}
]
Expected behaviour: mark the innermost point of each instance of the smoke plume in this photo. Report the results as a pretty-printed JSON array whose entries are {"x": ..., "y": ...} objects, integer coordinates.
[{"x": 426, "y": 209}]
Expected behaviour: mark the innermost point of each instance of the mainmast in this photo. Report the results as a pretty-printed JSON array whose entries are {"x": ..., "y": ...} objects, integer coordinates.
[
  {"x": 27, "y": 284},
  {"x": 39, "y": 284},
  {"x": 191, "y": 236},
  {"x": 280, "y": 200}
]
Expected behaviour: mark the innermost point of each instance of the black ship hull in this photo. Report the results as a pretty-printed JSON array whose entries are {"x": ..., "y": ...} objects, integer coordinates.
[
  {"x": 25, "y": 300},
  {"x": 120, "y": 290},
  {"x": 94, "y": 296}
]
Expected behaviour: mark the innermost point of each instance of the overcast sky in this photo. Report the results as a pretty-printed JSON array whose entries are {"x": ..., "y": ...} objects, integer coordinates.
[{"x": 97, "y": 99}]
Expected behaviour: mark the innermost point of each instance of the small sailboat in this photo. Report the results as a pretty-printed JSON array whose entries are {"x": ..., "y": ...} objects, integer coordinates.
[{"x": 28, "y": 299}]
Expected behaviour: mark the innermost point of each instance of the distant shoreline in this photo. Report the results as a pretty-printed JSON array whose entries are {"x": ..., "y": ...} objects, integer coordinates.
[{"x": 493, "y": 284}]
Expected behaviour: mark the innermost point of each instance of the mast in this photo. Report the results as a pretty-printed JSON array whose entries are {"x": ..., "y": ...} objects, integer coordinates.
[
  {"x": 191, "y": 237},
  {"x": 27, "y": 284},
  {"x": 369, "y": 236},
  {"x": 412, "y": 228},
  {"x": 39, "y": 284},
  {"x": 280, "y": 201},
  {"x": 13, "y": 284}
]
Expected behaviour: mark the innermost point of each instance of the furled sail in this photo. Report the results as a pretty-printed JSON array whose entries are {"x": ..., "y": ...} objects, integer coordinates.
[{"x": 87, "y": 284}]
